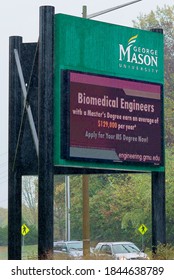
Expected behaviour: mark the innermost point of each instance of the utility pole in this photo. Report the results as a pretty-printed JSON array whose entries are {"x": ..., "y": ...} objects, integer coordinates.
[
  {"x": 67, "y": 209},
  {"x": 84, "y": 9}
]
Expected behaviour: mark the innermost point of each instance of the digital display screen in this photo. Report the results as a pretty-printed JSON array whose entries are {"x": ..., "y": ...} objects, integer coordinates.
[{"x": 111, "y": 119}]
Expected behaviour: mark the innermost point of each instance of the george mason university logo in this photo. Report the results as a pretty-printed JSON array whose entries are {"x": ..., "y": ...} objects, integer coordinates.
[{"x": 136, "y": 57}]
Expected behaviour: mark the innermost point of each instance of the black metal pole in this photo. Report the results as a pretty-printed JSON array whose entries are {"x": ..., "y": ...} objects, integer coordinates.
[
  {"x": 158, "y": 201},
  {"x": 14, "y": 181},
  {"x": 158, "y": 210},
  {"x": 45, "y": 124}
]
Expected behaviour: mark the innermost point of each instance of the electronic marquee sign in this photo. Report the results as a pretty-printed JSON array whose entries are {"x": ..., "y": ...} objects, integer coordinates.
[{"x": 108, "y": 119}]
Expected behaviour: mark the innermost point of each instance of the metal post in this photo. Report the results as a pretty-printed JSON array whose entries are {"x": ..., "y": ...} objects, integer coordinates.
[
  {"x": 84, "y": 11},
  {"x": 158, "y": 210},
  {"x": 67, "y": 208},
  {"x": 45, "y": 123},
  {"x": 86, "y": 223},
  {"x": 14, "y": 181},
  {"x": 158, "y": 201}
]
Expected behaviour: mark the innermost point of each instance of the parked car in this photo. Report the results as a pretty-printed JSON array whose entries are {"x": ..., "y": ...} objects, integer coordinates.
[
  {"x": 72, "y": 248},
  {"x": 120, "y": 250}
]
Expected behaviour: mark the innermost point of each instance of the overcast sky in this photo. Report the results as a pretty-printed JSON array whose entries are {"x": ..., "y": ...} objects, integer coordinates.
[{"x": 20, "y": 18}]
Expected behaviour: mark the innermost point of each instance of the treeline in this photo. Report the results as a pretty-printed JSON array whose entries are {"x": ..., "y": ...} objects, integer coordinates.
[
  {"x": 119, "y": 204},
  {"x": 3, "y": 236}
]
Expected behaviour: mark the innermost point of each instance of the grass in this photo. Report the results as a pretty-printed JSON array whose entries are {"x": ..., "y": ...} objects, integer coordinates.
[
  {"x": 29, "y": 252},
  {"x": 164, "y": 252},
  {"x": 3, "y": 253}
]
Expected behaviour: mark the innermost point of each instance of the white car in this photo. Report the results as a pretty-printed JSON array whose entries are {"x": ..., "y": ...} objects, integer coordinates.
[{"x": 120, "y": 250}]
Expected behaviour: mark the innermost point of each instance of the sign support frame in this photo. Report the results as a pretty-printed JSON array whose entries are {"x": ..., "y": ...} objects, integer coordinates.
[
  {"x": 158, "y": 202},
  {"x": 14, "y": 174},
  {"x": 44, "y": 164},
  {"x": 45, "y": 122}
]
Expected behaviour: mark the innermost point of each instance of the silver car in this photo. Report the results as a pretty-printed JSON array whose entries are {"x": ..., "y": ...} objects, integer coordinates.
[
  {"x": 120, "y": 250},
  {"x": 72, "y": 248}
]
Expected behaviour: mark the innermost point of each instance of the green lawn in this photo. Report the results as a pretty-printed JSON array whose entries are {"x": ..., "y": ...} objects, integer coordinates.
[
  {"x": 3, "y": 253},
  {"x": 28, "y": 252}
]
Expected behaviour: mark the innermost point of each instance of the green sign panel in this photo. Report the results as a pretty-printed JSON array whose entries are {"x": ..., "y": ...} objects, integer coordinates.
[
  {"x": 97, "y": 47},
  {"x": 98, "y": 65}
]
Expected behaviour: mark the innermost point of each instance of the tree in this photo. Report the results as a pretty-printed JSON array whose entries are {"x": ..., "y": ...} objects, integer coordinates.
[
  {"x": 30, "y": 199},
  {"x": 59, "y": 208},
  {"x": 4, "y": 235},
  {"x": 169, "y": 194},
  {"x": 120, "y": 206},
  {"x": 3, "y": 217}
]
